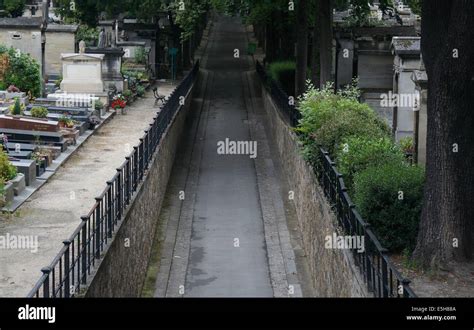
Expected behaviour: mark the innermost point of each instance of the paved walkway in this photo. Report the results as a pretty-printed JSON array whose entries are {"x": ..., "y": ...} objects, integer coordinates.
[
  {"x": 54, "y": 211},
  {"x": 228, "y": 237}
]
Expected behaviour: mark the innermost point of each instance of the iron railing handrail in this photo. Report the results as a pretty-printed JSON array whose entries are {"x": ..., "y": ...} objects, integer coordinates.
[
  {"x": 380, "y": 274},
  {"x": 70, "y": 268}
]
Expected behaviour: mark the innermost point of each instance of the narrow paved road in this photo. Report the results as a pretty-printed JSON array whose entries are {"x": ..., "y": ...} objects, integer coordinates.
[{"x": 216, "y": 240}]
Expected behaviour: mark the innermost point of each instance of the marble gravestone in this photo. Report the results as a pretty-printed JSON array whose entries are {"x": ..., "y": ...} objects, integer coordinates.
[
  {"x": 82, "y": 73},
  {"x": 82, "y": 76}
]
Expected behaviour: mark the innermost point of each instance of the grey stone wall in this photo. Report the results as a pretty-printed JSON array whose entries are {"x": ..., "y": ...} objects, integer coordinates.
[
  {"x": 333, "y": 272},
  {"x": 122, "y": 271}
]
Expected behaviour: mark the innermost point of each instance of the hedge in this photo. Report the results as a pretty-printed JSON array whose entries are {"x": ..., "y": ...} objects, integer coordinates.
[
  {"x": 390, "y": 197},
  {"x": 284, "y": 73},
  {"x": 387, "y": 191},
  {"x": 328, "y": 119},
  {"x": 357, "y": 153}
]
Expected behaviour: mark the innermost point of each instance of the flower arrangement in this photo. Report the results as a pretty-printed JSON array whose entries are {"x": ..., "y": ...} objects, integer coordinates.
[
  {"x": 66, "y": 122},
  {"x": 118, "y": 102}
]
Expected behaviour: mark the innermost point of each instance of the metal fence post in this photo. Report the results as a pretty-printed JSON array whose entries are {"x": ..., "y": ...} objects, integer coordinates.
[
  {"x": 141, "y": 159},
  {"x": 67, "y": 283},
  {"x": 110, "y": 193},
  {"x": 97, "y": 230},
  {"x": 46, "y": 271},
  {"x": 119, "y": 195},
  {"x": 83, "y": 252},
  {"x": 127, "y": 180},
  {"x": 135, "y": 168}
]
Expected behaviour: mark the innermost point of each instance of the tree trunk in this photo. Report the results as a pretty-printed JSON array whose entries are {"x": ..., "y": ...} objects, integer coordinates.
[
  {"x": 315, "y": 58},
  {"x": 446, "y": 231},
  {"x": 301, "y": 47},
  {"x": 325, "y": 17}
]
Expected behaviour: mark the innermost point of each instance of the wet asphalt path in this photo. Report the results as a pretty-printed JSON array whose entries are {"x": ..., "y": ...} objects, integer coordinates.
[{"x": 228, "y": 254}]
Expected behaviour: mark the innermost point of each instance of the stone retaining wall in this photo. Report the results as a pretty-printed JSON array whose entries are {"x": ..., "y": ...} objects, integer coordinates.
[
  {"x": 122, "y": 271},
  {"x": 333, "y": 272}
]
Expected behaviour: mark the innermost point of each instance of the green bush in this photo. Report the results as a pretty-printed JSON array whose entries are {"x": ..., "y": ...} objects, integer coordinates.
[
  {"x": 141, "y": 55},
  {"x": 389, "y": 198},
  {"x": 23, "y": 71},
  {"x": 356, "y": 154},
  {"x": 98, "y": 105},
  {"x": 39, "y": 112},
  {"x": 7, "y": 170},
  {"x": 127, "y": 94},
  {"x": 17, "y": 108},
  {"x": 329, "y": 118},
  {"x": 284, "y": 73},
  {"x": 14, "y": 7},
  {"x": 140, "y": 90}
]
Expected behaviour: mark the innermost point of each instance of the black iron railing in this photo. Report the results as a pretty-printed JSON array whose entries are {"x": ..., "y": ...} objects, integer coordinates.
[
  {"x": 68, "y": 272},
  {"x": 380, "y": 274},
  {"x": 284, "y": 103}
]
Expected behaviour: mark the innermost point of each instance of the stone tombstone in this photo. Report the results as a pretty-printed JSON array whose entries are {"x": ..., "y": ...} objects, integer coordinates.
[
  {"x": 111, "y": 66},
  {"x": 420, "y": 79},
  {"x": 406, "y": 51},
  {"x": 82, "y": 73},
  {"x": 28, "y": 124}
]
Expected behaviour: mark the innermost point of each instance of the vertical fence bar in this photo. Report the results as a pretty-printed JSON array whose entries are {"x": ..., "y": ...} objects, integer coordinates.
[
  {"x": 97, "y": 233},
  {"x": 85, "y": 220},
  {"x": 46, "y": 271},
  {"x": 110, "y": 193},
  {"x": 119, "y": 196},
  {"x": 127, "y": 180},
  {"x": 66, "y": 243},
  {"x": 135, "y": 168},
  {"x": 141, "y": 159}
]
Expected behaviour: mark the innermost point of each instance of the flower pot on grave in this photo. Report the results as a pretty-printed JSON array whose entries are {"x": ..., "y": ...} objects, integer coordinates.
[{"x": 40, "y": 167}]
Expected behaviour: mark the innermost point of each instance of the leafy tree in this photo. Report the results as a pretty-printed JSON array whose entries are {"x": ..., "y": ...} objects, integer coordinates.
[
  {"x": 14, "y": 8},
  {"x": 23, "y": 71}
]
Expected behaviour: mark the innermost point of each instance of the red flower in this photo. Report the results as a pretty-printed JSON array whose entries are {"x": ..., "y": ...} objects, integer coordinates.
[{"x": 118, "y": 104}]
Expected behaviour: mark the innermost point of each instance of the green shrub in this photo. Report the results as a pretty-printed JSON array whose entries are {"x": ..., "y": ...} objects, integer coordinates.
[
  {"x": 140, "y": 90},
  {"x": 407, "y": 144},
  {"x": 284, "y": 73},
  {"x": 14, "y": 7},
  {"x": 141, "y": 55},
  {"x": 7, "y": 170},
  {"x": 356, "y": 154},
  {"x": 98, "y": 105},
  {"x": 17, "y": 108},
  {"x": 90, "y": 35},
  {"x": 329, "y": 118},
  {"x": 23, "y": 71},
  {"x": 389, "y": 197},
  {"x": 39, "y": 112}
]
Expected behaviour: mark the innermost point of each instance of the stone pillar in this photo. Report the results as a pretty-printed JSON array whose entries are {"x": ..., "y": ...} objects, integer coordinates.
[
  {"x": 420, "y": 79},
  {"x": 406, "y": 51}
]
